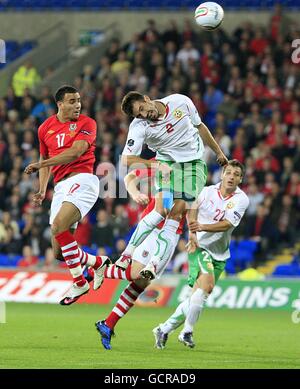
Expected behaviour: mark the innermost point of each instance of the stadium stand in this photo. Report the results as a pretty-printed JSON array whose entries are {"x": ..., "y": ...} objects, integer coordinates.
[
  {"x": 246, "y": 89},
  {"x": 132, "y": 4},
  {"x": 15, "y": 49}
]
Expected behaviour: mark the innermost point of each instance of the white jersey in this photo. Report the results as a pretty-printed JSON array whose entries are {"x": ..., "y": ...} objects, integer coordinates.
[
  {"x": 214, "y": 208},
  {"x": 174, "y": 137}
]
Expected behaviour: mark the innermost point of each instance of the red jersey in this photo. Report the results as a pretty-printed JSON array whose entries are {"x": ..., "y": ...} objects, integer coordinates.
[
  {"x": 148, "y": 172},
  {"x": 56, "y": 137}
]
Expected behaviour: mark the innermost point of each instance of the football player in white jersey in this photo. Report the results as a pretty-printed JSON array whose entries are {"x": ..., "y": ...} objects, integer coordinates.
[
  {"x": 172, "y": 127},
  {"x": 220, "y": 210}
]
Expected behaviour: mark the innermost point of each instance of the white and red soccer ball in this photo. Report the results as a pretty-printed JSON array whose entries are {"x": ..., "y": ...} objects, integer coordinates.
[{"x": 209, "y": 15}]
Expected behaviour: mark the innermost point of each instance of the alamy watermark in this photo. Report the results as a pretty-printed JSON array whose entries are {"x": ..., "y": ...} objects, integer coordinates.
[
  {"x": 296, "y": 52},
  {"x": 2, "y": 51},
  {"x": 181, "y": 179},
  {"x": 2, "y": 312},
  {"x": 295, "y": 316}
]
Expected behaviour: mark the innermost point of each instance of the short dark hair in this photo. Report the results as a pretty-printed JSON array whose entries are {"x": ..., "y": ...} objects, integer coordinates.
[
  {"x": 60, "y": 93},
  {"x": 128, "y": 100},
  {"x": 236, "y": 163}
]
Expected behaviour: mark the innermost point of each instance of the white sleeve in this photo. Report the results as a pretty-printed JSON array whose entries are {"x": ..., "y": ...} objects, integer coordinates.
[
  {"x": 135, "y": 140},
  {"x": 194, "y": 115},
  {"x": 234, "y": 215}
]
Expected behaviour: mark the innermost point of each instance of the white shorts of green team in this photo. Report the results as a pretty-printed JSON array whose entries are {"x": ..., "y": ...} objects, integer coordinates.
[
  {"x": 146, "y": 250},
  {"x": 82, "y": 190}
]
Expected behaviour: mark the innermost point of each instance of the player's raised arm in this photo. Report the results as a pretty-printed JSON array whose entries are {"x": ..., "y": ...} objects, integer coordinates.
[
  {"x": 78, "y": 148},
  {"x": 210, "y": 141},
  {"x": 131, "y": 184},
  {"x": 129, "y": 160},
  {"x": 221, "y": 226},
  {"x": 191, "y": 217},
  {"x": 44, "y": 175},
  {"x": 134, "y": 145}
]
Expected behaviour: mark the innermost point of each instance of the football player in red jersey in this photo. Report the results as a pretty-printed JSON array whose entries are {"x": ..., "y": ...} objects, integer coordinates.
[
  {"x": 139, "y": 260},
  {"x": 67, "y": 145}
]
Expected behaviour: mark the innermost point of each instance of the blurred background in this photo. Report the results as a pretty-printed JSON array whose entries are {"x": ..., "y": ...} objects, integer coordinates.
[{"x": 243, "y": 78}]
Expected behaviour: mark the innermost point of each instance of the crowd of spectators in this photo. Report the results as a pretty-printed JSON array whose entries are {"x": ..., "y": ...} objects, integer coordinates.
[{"x": 246, "y": 89}]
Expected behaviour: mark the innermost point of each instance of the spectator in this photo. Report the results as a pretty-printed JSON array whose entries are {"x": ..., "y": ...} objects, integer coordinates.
[
  {"x": 258, "y": 43},
  {"x": 261, "y": 229},
  {"x": 121, "y": 65},
  {"x": 5, "y": 223},
  {"x": 120, "y": 221},
  {"x": 28, "y": 260},
  {"x": 120, "y": 247},
  {"x": 50, "y": 263},
  {"x": 102, "y": 232},
  {"x": 43, "y": 110},
  {"x": 188, "y": 54},
  {"x": 212, "y": 98},
  {"x": 10, "y": 245},
  {"x": 26, "y": 76},
  {"x": 255, "y": 198},
  {"x": 286, "y": 222}
]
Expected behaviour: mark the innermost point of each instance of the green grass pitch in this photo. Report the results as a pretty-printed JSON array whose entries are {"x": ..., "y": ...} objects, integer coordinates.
[{"x": 52, "y": 336}]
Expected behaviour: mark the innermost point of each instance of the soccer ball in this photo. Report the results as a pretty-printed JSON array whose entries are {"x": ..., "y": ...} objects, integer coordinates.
[{"x": 209, "y": 15}]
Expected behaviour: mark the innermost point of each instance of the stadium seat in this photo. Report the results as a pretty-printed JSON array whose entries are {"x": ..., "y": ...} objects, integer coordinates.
[
  {"x": 249, "y": 245},
  {"x": 242, "y": 254},
  {"x": 90, "y": 250},
  {"x": 290, "y": 270},
  {"x": 109, "y": 250},
  {"x": 230, "y": 268},
  {"x": 9, "y": 260},
  {"x": 3, "y": 260}
]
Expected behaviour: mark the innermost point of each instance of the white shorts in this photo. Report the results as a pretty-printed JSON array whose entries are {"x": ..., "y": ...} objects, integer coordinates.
[
  {"x": 82, "y": 190},
  {"x": 146, "y": 250}
]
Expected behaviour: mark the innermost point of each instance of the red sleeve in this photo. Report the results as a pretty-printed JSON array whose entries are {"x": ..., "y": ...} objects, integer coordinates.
[
  {"x": 88, "y": 131},
  {"x": 43, "y": 147}
]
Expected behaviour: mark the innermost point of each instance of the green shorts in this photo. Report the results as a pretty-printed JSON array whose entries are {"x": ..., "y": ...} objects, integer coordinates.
[
  {"x": 186, "y": 180},
  {"x": 202, "y": 262}
]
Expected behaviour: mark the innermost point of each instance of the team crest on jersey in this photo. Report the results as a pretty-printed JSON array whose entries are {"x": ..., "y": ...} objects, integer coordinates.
[
  {"x": 230, "y": 205},
  {"x": 72, "y": 126},
  {"x": 50, "y": 132},
  {"x": 145, "y": 254},
  {"x": 177, "y": 113}
]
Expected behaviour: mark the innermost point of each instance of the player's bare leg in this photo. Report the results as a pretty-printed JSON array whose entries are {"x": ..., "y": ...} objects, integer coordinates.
[
  {"x": 88, "y": 262},
  {"x": 66, "y": 217}
]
